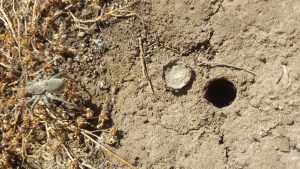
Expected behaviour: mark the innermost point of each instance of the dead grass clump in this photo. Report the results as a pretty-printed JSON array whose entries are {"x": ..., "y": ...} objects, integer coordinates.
[{"x": 43, "y": 138}]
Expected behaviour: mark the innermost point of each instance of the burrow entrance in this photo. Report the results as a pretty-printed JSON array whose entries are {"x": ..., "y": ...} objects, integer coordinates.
[{"x": 220, "y": 92}]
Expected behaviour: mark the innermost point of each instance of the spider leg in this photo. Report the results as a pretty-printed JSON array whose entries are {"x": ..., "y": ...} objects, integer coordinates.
[
  {"x": 45, "y": 98},
  {"x": 32, "y": 99},
  {"x": 51, "y": 96},
  {"x": 55, "y": 76},
  {"x": 49, "y": 109},
  {"x": 38, "y": 77},
  {"x": 36, "y": 100}
]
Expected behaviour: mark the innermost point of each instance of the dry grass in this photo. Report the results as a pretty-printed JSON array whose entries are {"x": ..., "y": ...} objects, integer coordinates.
[{"x": 29, "y": 47}]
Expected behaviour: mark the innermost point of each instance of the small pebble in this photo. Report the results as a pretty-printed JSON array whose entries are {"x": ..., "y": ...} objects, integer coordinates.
[
  {"x": 298, "y": 147},
  {"x": 80, "y": 34},
  {"x": 113, "y": 90},
  {"x": 290, "y": 122},
  {"x": 205, "y": 18},
  {"x": 62, "y": 37},
  {"x": 70, "y": 60}
]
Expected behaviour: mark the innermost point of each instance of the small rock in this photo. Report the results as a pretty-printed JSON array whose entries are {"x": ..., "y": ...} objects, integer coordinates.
[
  {"x": 103, "y": 85},
  {"x": 290, "y": 122},
  {"x": 283, "y": 144},
  {"x": 206, "y": 18},
  {"x": 70, "y": 60},
  {"x": 113, "y": 90},
  {"x": 178, "y": 76},
  {"x": 298, "y": 147},
  {"x": 63, "y": 37},
  {"x": 80, "y": 34}
]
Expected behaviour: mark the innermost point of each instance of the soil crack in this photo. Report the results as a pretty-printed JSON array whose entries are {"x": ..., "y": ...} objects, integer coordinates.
[{"x": 207, "y": 18}]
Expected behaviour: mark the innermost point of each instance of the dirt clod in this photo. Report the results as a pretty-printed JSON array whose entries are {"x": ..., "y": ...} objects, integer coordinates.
[{"x": 283, "y": 144}]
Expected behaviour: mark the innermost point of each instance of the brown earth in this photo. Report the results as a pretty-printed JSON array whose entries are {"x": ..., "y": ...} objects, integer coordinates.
[{"x": 253, "y": 44}]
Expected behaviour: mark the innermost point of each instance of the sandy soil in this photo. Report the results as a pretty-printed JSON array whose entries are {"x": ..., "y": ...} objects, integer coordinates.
[
  {"x": 255, "y": 45},
  {"x": 260, "y": 129}
]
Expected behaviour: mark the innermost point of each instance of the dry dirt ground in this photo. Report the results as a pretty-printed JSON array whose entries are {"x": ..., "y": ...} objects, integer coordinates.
[{"x": 254, "y": 44}]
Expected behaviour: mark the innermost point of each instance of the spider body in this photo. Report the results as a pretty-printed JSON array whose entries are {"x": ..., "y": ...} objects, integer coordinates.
[{"x": 45, "y": 89}]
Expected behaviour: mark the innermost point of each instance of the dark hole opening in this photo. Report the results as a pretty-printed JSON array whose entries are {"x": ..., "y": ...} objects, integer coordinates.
[{"x": 220, "y": 92}]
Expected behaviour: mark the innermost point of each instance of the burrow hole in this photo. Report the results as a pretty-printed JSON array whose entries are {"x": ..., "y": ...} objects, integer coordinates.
[{"x": 220, "y": 92}]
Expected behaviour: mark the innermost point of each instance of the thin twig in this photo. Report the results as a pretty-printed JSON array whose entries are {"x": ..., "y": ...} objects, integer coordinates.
[
  {"x": 70, "y": 156},
  {"x": 17, "y": 116},
  {"x": 51, "y": 113},
  {"x": 68, "y": 152},
  {"x": 32, "y": 26},
  {"x": 5, "y": 54},
  {"x": 111, "y": 13},
  {"x": 214, "y": 64},
  {"x": 33, "y": 14},
  {"x": 7, "y": 21},
  {"x": 88, "y": 165},
  {"x": 4, "y": 65},
  {"x": 285, "y": 75},
  {"x": 86, "y": 134},
  {"x": 55, "y": 16},
  {"x": 145, "y": 70},
  {"x": 24, "y": 141},
  {"x": 39, "y": 71},
  {"x": 18, "y": 30},
  {"x": 47, "y": 132}
]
